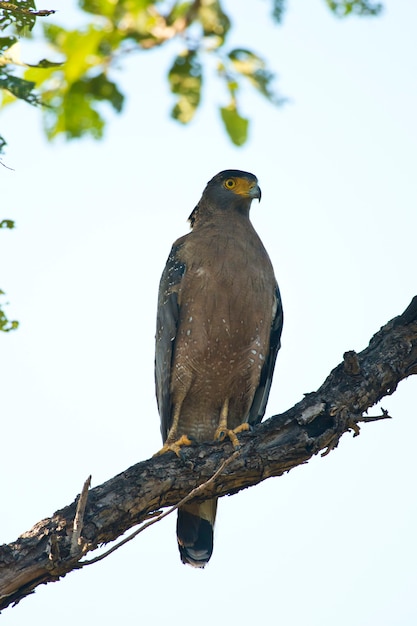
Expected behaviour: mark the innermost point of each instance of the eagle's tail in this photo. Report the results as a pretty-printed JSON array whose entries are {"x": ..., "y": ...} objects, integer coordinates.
[{"x": 195, "y": 532}]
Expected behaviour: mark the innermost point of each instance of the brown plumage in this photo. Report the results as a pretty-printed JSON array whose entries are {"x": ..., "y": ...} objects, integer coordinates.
[{"x": 219, "y": 324}]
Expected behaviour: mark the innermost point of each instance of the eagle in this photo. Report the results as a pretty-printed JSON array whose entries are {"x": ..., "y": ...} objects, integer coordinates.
[{"x": 219, "y": 324}]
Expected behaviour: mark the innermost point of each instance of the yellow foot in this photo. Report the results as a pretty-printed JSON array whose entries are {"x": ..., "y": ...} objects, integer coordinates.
[
  {"x": 175, "y": 446},
  {"x": 222, "y": 433}
]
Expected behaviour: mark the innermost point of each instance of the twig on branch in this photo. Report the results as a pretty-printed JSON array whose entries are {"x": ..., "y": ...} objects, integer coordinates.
[
  {"x": 43, "y": 554},
  {"x": 376, "y": 418},
  {"x": 79, "y": 518},
  {"x": 14, "y": 8},
  {"x": 197, "y": 491}
]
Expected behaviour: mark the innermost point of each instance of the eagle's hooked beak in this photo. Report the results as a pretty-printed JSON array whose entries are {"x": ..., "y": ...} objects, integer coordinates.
[{"x": 255, "y": 192}]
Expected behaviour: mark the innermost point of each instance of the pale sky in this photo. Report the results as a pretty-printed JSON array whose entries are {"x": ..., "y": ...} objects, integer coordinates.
[{"x": 332, "y": 542}]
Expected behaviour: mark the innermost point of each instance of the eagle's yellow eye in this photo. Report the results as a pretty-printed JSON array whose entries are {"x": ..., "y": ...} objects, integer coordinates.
[{"x": 229, "y": 183}]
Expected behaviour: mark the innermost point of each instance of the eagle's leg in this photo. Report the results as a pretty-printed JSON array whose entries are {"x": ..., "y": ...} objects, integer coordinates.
[
  {"x": 223, "y": 431},
  {"x": 174, "y": 443}
]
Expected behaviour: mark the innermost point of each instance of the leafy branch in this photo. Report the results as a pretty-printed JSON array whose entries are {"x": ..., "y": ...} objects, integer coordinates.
[
  {"x": 343, "y": 8},
  {"x": 20, "y": 19},
  {"x": 76, "y": 88},
  {"x": 6, "y": 325}
]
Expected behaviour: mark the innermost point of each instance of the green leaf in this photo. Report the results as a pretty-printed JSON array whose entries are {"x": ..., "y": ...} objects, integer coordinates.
[
  {"x": 343, "y": 8},
  {"x": 76, "y": 115},
  {"x": 3, "y": 143},
  {"x": 128, "y": 19},
  {"x": 98, "y": 88},
  {"x": 236, "y": 126},
  {"x": 101, "y": 88},
  {"x": 81, "y": 48},
  {"x": 253, "y": 67},
  {"x": 6, "y": 325},
  {"x": 6, "y": 43},
  {"x": 108, "y": 7},
  {"x": 180, "y": 9},
  {"x": 278, "y": 10},
  {"x": 214, "y": 20},
  {"x": 98, "y": 7},
  {"x": 185, "y": 78},
  {"x": 19, "y": 87},
  {"x": 20, "y": 14},
  {"x": 76, "y": 89},
  {"x": 44, "y": 63},
  {"x": 7, "y": 224}
]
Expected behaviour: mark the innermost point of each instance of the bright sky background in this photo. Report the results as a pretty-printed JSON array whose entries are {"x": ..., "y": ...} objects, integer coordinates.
[{"x": 332, "y": 542}]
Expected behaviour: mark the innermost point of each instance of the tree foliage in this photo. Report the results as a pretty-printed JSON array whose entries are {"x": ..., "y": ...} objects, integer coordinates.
[
  {"x": 342, "y": 8},
  {"x": 74, "y": 87},
  {"x": 6, "y": 325}
]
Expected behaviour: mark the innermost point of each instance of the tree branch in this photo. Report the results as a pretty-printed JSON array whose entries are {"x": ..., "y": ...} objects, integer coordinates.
[{"x": 48, "y": 551}]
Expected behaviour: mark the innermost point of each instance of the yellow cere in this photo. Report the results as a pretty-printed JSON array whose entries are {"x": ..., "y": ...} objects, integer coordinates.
[{"x": 241, "y": 186}]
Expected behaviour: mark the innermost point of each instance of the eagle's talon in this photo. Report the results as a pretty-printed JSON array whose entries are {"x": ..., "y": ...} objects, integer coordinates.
[
  {"x": 221, "y": 434},
  {"x": 242, "y": 427},
  {"x": 175, "y": 446}
]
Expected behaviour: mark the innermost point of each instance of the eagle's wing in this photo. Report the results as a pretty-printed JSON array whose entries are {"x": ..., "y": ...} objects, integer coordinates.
[
  {"x": 260, "y": 398},
  {"x": 166, "y": 331}
]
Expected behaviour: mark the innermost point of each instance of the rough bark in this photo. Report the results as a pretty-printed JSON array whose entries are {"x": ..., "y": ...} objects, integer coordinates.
[{"x": 57, "y": 545}]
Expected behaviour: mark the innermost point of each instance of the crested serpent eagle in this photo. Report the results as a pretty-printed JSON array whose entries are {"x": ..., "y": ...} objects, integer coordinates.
[{"x": 219, "y": 325}]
